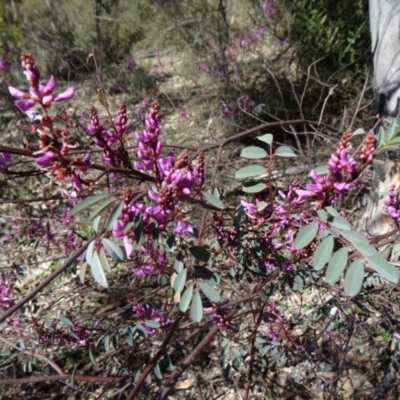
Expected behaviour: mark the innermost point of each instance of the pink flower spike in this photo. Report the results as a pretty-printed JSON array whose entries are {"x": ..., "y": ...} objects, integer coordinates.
[{"x": 66, "y": 95}]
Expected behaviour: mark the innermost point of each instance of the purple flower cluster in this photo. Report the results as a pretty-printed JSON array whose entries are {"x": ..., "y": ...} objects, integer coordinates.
[
  {"x": 105, "y": 138},
  {"x": 78, "y": 336},
  {"x": 392, "y": 204},
  {"x": 38, "y": 93},
  {"x": 344, "y": 173},
  {"x": 276, "y": 327},
  {"x": 145, "y": 312}
]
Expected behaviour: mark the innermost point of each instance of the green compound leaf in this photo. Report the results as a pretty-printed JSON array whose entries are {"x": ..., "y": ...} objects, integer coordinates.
[
  {"x": 336, "y": 266},
  {"x": 90, "y": 201},
  {"x": 354, "y": 278},
  {"x": 253, "y": 152},
  {"x": 210, "y": 292},
  {"x": 284, "y": 151},
  {"x": 250, "y": 171},
  {"x": 267, "y": 138},
  {"x": 200, "y": 253},
  {"x": 98, "y": 271},
  {"x": 213, "y": 200},
  {"x": 253, "y": 187},
  {"x": 185, "y": 299},
  {"x": 180, "y": 281},
  {"x": 305, "y": 236},
  {"x": 323, "y": 253},
  {"x": 383, "y": 268},
  {"x": 196, "y": 309}
]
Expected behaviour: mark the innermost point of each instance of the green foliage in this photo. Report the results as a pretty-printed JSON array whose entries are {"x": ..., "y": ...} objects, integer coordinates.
[{"x": 341, "y": 28}]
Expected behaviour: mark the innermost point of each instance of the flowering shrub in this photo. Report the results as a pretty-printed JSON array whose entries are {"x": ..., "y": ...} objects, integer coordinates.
[{"x": 197, "y": 262}]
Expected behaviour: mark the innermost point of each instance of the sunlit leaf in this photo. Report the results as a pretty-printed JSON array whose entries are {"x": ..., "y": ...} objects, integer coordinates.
[
  {"x": 341, "y": 223},
  {"x": 89, "y": 252},
  {"x": 96, "y": 223},
  {"x": 250, "y": 171},
  {"x": 213, "y": 200},
  {"x": 97, "y": 270},
  {"x": 358, "y": 131},
  {"x": 336, "y": 266},
  {"x": 196, "y": 309},
  {"x": 82, "y": 272},
  {"x": 104, "y": 261},
  {"x": 185, "y": 298},
  {"x": 210, "y": 292},
  {"x": 383, "y": 268},
  {"x": 253, "y": 187},
  {"x": 267, "y": 138},
  {"x": 323, "y": 253},
  {"x": 152, "y": 324},
  {"x": 101, "y": 97},
  {"x": 323, "y": 216},
  {"x": 253, "y": 152},
  {"x": 354, "y": 278},
  {"x": 284, "y": 151},
  {"x": 157, "y": 372},
  {"x": 332, "y": 211},
  {"x": 180, "y": 281},
  {"x": 90, "y": 201},
  {"x": 354, "y": 237},
  {"x": 305, "y": 236}
]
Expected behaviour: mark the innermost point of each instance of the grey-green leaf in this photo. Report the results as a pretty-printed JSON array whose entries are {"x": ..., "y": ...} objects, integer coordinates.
[
  {"x": 250, "y": 171},
  {"x": 116, "y": 211},
  {"x": 210, "y": 292},
  {"x": 97, "y": 271},
  {"x": 284, "y": 151},
  {"x": 152, "y": 324},
  {"x": 104, "y": 261},
  {"x": 306, "y": 235},
  {"x": 267, "y": 138},
  {"x": 253, "y": 187},
  {"x": 383, "y": 268},
  {"x": 355, "y": 237},
  {"x": 253, "y": 152},
  {"x": 112, "y": 249},
  {"x": 323, "y": 253},
  {"x": 101, "y": 208},
  {"x": 336, "y": 265},
  {"x": 196, "y": 309},
  {"x": 90, "y": 201},
  {"x": 185, "y": 298},
  {"x": 180, "y": 281},
  {"x": 341, "y": 223},
  {"x": 354, "y": 278},
  {"x": 214, "y": 200}
]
